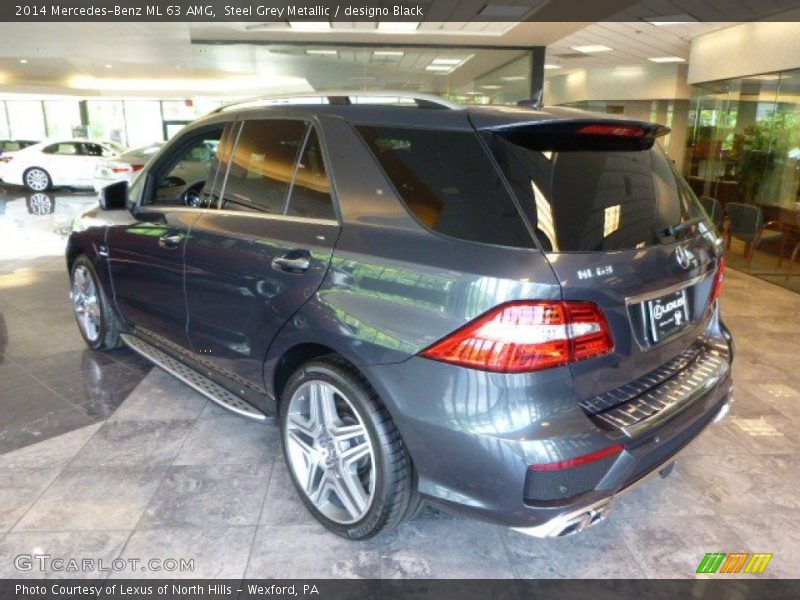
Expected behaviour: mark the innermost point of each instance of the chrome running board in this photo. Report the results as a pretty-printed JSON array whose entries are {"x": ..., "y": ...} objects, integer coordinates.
[{"x": 193, "y": 379}]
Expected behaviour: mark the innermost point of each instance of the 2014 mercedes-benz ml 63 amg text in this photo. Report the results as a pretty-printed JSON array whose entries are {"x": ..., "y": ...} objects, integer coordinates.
[{"x": 509, "y": 312}]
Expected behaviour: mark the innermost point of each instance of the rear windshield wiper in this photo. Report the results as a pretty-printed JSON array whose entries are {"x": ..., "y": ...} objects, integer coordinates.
[{"x": 683, "y": 226}]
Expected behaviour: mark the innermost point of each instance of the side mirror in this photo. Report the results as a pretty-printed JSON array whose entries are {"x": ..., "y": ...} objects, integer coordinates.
[{"x": 114, "y": 196}]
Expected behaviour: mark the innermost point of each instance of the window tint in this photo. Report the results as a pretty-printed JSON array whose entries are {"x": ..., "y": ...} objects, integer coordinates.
[
  {"x": 447, "y": 180},
  {"x": 594, "y": 199},
  {"x": 311, "y": 191},
  {"x": 263, "y": 166},
  {"x": 65, "y": 148}
]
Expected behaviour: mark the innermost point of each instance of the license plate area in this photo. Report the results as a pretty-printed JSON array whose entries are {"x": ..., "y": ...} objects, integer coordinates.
[{"x": 667, "y": 315}]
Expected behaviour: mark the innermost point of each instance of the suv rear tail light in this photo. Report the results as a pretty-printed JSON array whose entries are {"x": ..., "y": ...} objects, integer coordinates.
[
  {"x": 719, "y": 277},
  {"x": 527, "y": 336}
]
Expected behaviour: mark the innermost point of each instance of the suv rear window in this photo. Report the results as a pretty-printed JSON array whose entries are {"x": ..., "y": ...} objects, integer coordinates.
[
  {"x": 591, "y": 197},
  {"x": 447, "y": 180}
]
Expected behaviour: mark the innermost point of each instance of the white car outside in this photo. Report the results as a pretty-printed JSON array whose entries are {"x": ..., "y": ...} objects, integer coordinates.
[{"x": 52, "y": 163}]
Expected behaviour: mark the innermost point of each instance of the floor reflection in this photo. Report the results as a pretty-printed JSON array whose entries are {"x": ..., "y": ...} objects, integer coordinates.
[
  {"x": 50, "y": 383},
  {"x": 37, "y": 224}
]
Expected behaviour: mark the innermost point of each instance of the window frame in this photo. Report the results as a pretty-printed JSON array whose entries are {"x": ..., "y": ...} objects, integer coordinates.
[
  {"x": 311, "y": 123},
  {"x": 181, "y": 143}
]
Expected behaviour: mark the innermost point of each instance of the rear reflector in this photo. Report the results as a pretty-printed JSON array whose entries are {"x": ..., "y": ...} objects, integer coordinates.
[
  {"x": 579, "y": 460},
  {"x": 527, "y": 336},
  {"x": 719, "y": 277}
]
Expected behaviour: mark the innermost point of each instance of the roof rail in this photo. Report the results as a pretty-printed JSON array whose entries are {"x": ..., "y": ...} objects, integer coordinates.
[{"x": 345, "y": 98}]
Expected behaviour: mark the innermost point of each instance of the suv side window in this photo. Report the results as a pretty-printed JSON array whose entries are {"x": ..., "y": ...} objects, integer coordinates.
[
  {"x": 448, "y": 182},
  {"x": 311, "y": 191},
  {"x": 182, "y": 177},
  {"x": 263, "y": 165}
]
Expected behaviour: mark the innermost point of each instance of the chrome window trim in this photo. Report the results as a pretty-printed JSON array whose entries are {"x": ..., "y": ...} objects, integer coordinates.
[{"x": 273, "y": 217}]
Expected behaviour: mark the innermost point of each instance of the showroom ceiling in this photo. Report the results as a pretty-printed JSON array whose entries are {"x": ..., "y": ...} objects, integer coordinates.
[{"x": 194, "y": 58}]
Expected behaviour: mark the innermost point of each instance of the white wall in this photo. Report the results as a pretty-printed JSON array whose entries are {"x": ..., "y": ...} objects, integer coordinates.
[
  {"x": 653, "y": 82},
  {"x": 746, "y": 49}
]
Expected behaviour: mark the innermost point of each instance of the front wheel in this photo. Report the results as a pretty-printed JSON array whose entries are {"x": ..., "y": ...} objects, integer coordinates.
[
  {"x": 97, "y": 322},
  {"x": 345, "y": 455}
]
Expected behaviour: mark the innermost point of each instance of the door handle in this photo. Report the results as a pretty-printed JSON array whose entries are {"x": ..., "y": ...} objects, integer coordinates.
[
  {"x": 294, "y": 261},
  {"x": 170, "y": 240}
]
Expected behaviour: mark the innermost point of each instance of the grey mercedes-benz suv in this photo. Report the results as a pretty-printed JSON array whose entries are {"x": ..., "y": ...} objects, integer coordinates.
[{"x": 509, "y": 312}]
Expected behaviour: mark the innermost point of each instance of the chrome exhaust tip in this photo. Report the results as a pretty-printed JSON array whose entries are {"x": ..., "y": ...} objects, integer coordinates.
[{"x": 570, "y": 524}]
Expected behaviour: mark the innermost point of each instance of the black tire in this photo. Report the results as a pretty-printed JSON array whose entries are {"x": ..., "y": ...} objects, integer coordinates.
[
  {"x": 109, "y": 325},
  {"x": 44, "y": 176},
  {"x": 395, "y": 495}
]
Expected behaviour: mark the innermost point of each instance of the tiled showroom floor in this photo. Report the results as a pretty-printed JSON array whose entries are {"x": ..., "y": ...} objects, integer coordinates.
[{"x": 104, "y": 457}]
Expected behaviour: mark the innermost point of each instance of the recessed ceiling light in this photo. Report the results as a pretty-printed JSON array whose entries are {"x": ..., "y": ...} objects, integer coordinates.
[
  {"x": 310, "y": 25},
  {"x": 398, "y": 26},
  {"x": 491, "y": 87},
  {"x": 551, "y": 67},
  {"x": 389, "y": 53},
  {"x": 441, "y": 68},
  {"x": 323, "y": 52},
  {"x": 446, "y": 61},
  {"x": 23, "y": 60},
  {"x": 666, "y": 20},
  {"x": 592, "y": 48},
  {"x": 108, "y": 66},
  {"x": 667, "y": 59},
  {"x": 514, "y": 78}
]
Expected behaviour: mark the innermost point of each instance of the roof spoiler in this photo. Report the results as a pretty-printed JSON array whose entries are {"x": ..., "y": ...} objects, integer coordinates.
[{"x": 582, "y": 134}]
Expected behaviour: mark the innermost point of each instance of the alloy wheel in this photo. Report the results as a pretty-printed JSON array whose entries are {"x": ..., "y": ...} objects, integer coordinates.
[
  {"x": 85, "y": 303},
  {"x": 329, "y": 452},
  {"x": 37, "y": 180}
]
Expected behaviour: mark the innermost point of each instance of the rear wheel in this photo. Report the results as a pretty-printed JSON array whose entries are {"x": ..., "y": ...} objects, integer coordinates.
[
  {"x": 37, "y": 179},
  {"x": 344, "y": 453},
  {"x": 97, "y": 322}
]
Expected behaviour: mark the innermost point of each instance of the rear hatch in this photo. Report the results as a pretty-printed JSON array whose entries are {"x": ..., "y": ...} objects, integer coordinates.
[{"x": 620, "y": 228}]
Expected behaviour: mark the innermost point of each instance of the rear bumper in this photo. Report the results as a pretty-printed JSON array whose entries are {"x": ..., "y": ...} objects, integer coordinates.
[{"x": 473, "y": 435}]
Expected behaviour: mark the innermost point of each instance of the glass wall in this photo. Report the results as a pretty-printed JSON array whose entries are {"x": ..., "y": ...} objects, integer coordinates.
[
  {"x": 744, "y": 143},
  {"x": 143, "y": 122},
  {"x": 744, "y": 147},
  {"x": 26, "y": 118},
  {"x": 61, "y": 117},
  {"x": 133, "y": 123}
]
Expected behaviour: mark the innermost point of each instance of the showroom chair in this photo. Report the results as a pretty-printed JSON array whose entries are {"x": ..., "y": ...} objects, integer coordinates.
[
  {"x": 790, "y": 221},
  {"x": 746, "y": 223},
  {"x": 713, "y": 208}
]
